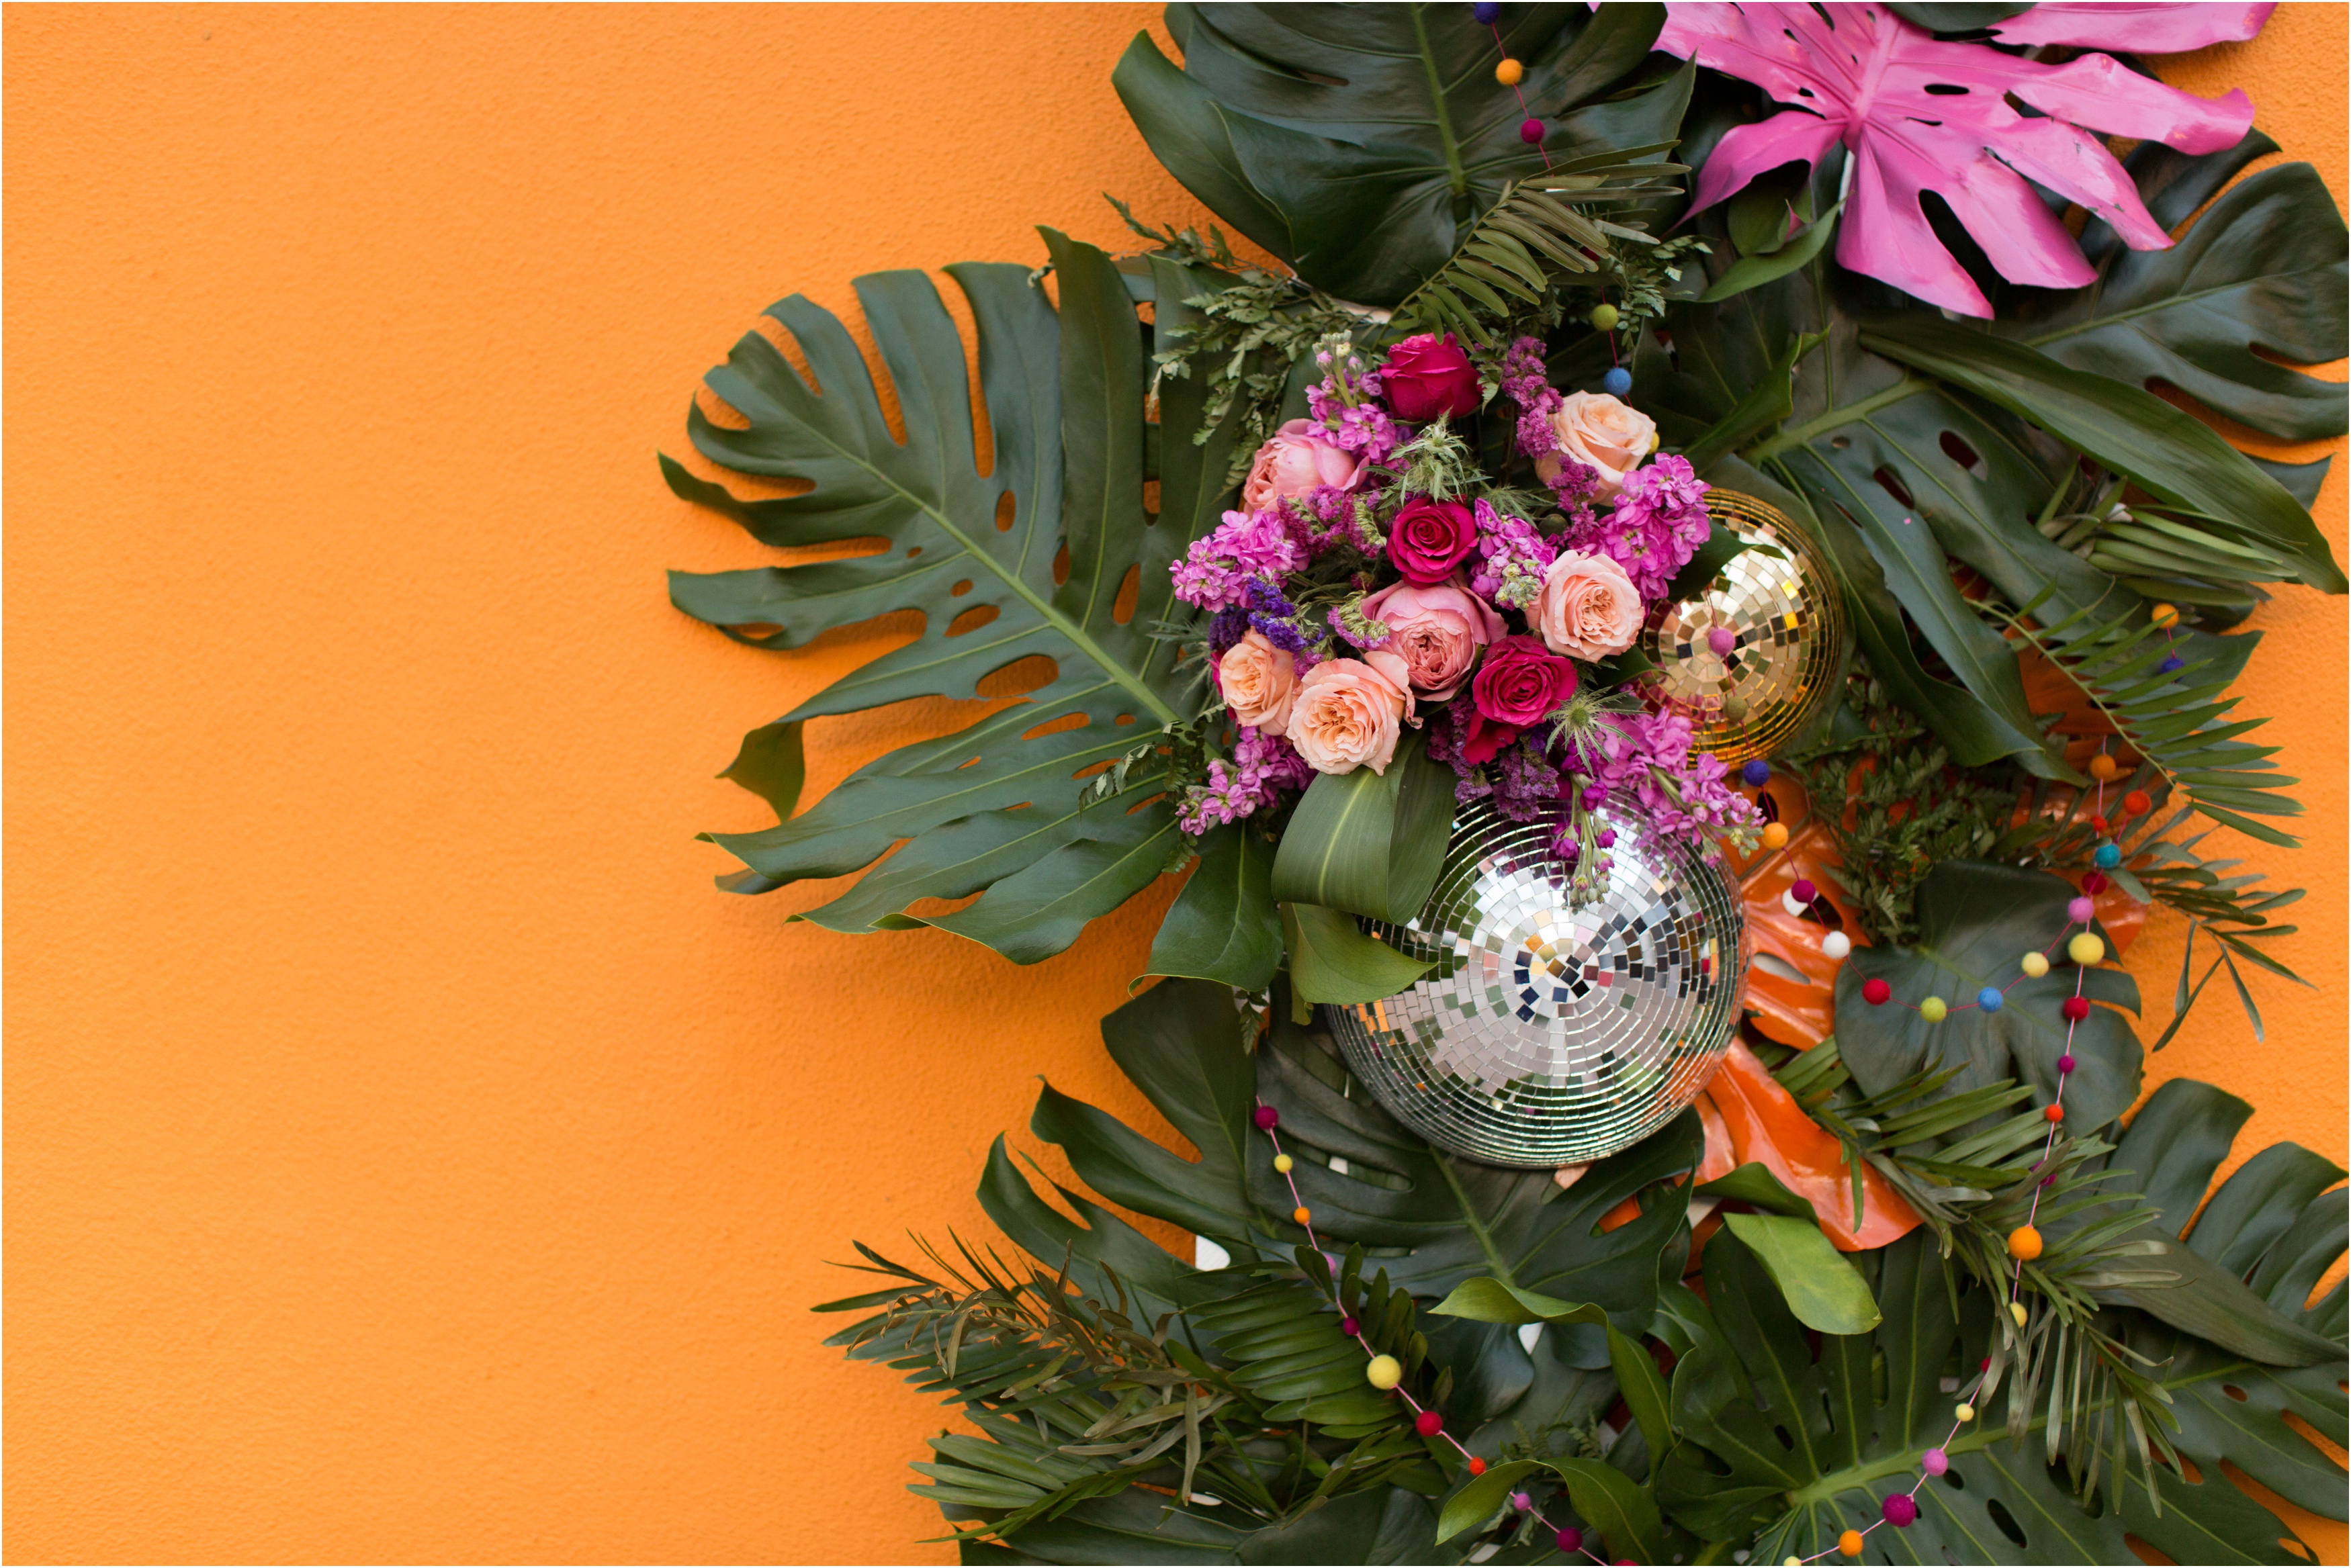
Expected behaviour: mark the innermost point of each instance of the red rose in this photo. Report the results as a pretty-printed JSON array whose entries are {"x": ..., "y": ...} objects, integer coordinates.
[
  {"x": 1425, "y": 377},
  {"x": 1520, "y": 681},
  {"x": 1482, "y": 739},
  {"x": 1428, "y": 538}
]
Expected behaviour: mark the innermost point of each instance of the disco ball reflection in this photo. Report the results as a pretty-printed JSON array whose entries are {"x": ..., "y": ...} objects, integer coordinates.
[{"x": 1553, "y": 1031}]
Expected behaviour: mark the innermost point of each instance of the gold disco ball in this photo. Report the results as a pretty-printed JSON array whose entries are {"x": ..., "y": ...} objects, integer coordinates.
[
  {"x": 1555, "y": 1030},
  {"x": 1751, "y": 658}
]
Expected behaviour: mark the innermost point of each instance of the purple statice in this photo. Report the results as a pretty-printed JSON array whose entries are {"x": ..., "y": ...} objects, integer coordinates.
[
  {"x": 1225, "y": 628},
  {"x": 1660, "y": 522},
  {"x": 1273, "y": 616},
  {"x": 1526, "y": 781},
  {"x": 1512, "y": 559},
  {"x": 1216, "y": 571},
  {"x": 1264, "y": 767}
]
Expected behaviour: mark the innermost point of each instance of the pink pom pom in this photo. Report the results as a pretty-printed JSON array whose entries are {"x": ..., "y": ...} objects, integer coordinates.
[
  {"x": 1900, "y": 1512},
  {"x": 1266, "y": 1117},
  {"x": 2081, "y": 911},
  {"x": 1934, "y": 1461},
  {"x": 1531, "y": 132}
]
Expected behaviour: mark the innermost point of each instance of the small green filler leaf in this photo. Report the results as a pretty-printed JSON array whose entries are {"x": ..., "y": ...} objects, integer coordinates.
[{"x": 1823, "y": 1290}]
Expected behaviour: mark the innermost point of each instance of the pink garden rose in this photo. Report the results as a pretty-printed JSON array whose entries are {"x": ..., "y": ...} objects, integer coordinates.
[
  {"x": 1301, "y": 457},
  {"x": 1430, "y": 538},
  {"x": 1520, "y": 681},
  {"x": 1260, "y": 681},
  {"x": 1348, "y": 711},
  {"x": 1604, "y": 435},
  {"x": 1426, "y": 377},
  {"x": 1437, "y": 630},
  {"x": 1588, "y": 610}
]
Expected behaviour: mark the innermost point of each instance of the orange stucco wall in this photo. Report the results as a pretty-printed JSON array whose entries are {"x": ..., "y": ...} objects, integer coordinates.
[{"x": 409, "y": 1155}]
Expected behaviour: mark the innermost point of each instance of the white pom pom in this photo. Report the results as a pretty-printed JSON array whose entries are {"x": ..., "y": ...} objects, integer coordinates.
[{"x": 1836, "y": 945}]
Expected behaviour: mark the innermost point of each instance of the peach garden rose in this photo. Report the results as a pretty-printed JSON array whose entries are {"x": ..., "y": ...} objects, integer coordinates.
[
  {"x": 1604, "y": 434},
  {"x": 1349, "y": 711},
  {"x": 1299, "y": 457},
  {"x": 1260, "y": 681},
  {"x": 1588, "y": 610}
]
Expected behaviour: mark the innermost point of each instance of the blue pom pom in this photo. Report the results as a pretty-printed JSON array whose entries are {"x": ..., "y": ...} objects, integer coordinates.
[
  {"x": 2172, "y": 661},
  {"x": 1486, "y": 11},
  {"x": 1990, "y": 998},
  {"x": 1757, "y": 773},
  {"x": 2107, "y": 856},
  {"x": 1617, "y": 382}
]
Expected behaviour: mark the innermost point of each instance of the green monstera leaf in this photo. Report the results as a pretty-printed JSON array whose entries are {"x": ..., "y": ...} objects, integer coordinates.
[
  {"x": 1049, "y": 554},
  {"x": 1797, "y": 1440},
  {"x": 1359, "y": 143},
  {"x": 1976, "y": 921},
  {"x": 1432, "y": 1220},
  {"x": 2265, "y": 270}
]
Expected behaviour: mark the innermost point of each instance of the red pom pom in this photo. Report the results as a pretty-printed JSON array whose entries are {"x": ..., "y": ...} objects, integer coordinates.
[
  {"x": 1477, "y": 1466},
  {"x": 2055, "y": 1113},
  {"x": 2137, "y": 803},
  {"x": 1876, "y": 992},
  {"x": 2093, "y": 881},
  {"x": 1429, "y": 1423},
  {"x": 1266, "y": 1118},
  {"x": 1531, "y": 132},
  {"x": 2077, "y": 1008}
]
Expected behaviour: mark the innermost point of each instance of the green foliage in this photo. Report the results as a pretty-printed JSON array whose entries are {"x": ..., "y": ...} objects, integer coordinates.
[
  {"x": 1976, "y": 920},
  {"x": 1370, "y": 844},
  {"x": 1223, "y": 926},
  {"x": 2178, "y": 720},
  {"x": 1332, "y": 960},
  {"x": 1796, "y": 1444},
  {"x": 1359, "y": 145},
  {"x": 1820, "y": 1287},
  {"x": 997, "y": 807}
]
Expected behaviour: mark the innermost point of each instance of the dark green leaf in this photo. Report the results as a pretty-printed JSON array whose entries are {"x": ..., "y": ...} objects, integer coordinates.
[
  {"x": 1368, "y": 843},
  {"x": 1754, "y": 271},
  {"x": 1976, "y": 922},
  {"x": 1223, "y": 926},
  {"x": 1620, "y": 1508},
  {"x": 771, "y": 766},
  {"x": 1331, "y": 959},
  {"x": 1358, "y": 144}
]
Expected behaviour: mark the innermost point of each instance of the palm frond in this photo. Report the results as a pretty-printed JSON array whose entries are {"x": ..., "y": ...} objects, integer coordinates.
[{"x": 2176, "y": 719}]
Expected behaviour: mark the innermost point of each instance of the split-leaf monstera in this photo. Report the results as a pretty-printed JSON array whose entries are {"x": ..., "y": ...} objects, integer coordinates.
[
  {"x": 1050, "y": 554},
  {"x": 1358, "y": 143}
]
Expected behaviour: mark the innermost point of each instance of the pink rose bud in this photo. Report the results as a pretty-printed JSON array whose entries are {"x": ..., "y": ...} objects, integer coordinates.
[{"x": 1430, "y": 538}]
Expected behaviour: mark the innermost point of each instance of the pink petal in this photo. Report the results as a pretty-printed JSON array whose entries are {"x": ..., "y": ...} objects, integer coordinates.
[
  {"x": 2078, "y": 167},
  {"x": 2145, "y": 29},
  {"x": 1786, "y": 50},
  {"x": 1789, "y": 137},
  {"x": 1886, "y": 235},
  {"x": 2104, "y": 94},
  {"x": 2021, "y": 236}
]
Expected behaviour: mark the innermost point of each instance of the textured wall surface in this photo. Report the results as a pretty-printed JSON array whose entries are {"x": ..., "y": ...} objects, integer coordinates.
[{"x": 409, "y": 1156}]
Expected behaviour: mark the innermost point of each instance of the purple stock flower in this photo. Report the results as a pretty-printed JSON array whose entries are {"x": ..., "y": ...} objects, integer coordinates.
[{"x": 1216, "y": 572}]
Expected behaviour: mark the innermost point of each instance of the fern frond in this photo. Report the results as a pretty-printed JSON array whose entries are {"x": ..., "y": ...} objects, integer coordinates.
[
  {"x": 2177, "y": 719},
  {"x": 1537, "y": 233}
]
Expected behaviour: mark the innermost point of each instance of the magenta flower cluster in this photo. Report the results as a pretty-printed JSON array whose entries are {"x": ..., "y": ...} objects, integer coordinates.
[
  {"x": 1263, "y": 769},
  {"x": 1511, "y": 560},
  {"x": 1660, "y": 522}
]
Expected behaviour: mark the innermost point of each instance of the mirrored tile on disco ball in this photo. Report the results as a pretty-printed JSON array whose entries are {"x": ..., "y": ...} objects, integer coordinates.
[{"x": 1551, "y": 1033}]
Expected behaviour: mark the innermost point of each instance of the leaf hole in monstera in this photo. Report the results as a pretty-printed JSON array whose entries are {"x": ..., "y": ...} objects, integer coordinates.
[
  {"x": 1959, "y": 451},
  {"x": 1123, "y": 718},
  {"x": 1891, "y": 483},
  {"x": 1061, "y": 564},
  {"x": 2005, "y": 1520},
  {"x": 1779, "y": 968},
  {"x": 960, "y": 589},
  {"x": 1029, "y": 672},
  {"x": 1947, "y": 89},
  {"x": 972, "y": 619},
  {"x": 1150, "y": 501},
  {"x": 1091, "y": 769},
  {"x": 1008, "y": 511},
  {"x": 1130, "y": 590},
  {"x": 1055, "y": 726},
  {"x": 1839, "y": 443},
  {"x": 1786, "y": 1441},
  {"x": 1951, "y": 1479},
  {"x": 1146, "y": 802},
  {"x": 2234, "y": 1392}
]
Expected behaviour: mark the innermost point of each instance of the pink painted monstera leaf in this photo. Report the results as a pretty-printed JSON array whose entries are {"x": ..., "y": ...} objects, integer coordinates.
[{"x": 1920, "y": 114}]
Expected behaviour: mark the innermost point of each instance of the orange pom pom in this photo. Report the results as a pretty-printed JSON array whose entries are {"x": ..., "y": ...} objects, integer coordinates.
[{"x": 2103, "y": 767}]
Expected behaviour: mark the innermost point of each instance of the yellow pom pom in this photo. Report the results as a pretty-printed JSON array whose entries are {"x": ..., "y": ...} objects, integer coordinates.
[
  {"x": 1300, "y": 1215},
  {"x": 1384, "y": 1372},
  {"x": 1850, "y": 1543},
  {"x": 1964, "y": 1414},
  {"x": 1775, "y": 836},
  {"x": 2104, "y": 767},
  {"x": 2086, "y": 950},
  {"x": 2024, "y": 1243},
  {"x": 1934, "y": 1009},
  {"x": 1791, "y": 1563},
  {"x": 2165, "y": 615},
  {"x": 1508, "y": 72},
  {"x": 2034, "y": 964},
  {"x": 1284, "y": 1164},
  {"x": 2016, "y": 1312}
]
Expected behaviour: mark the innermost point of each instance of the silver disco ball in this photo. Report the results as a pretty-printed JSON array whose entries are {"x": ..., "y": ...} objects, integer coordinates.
[{"x": 1553, "y": 1031}]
